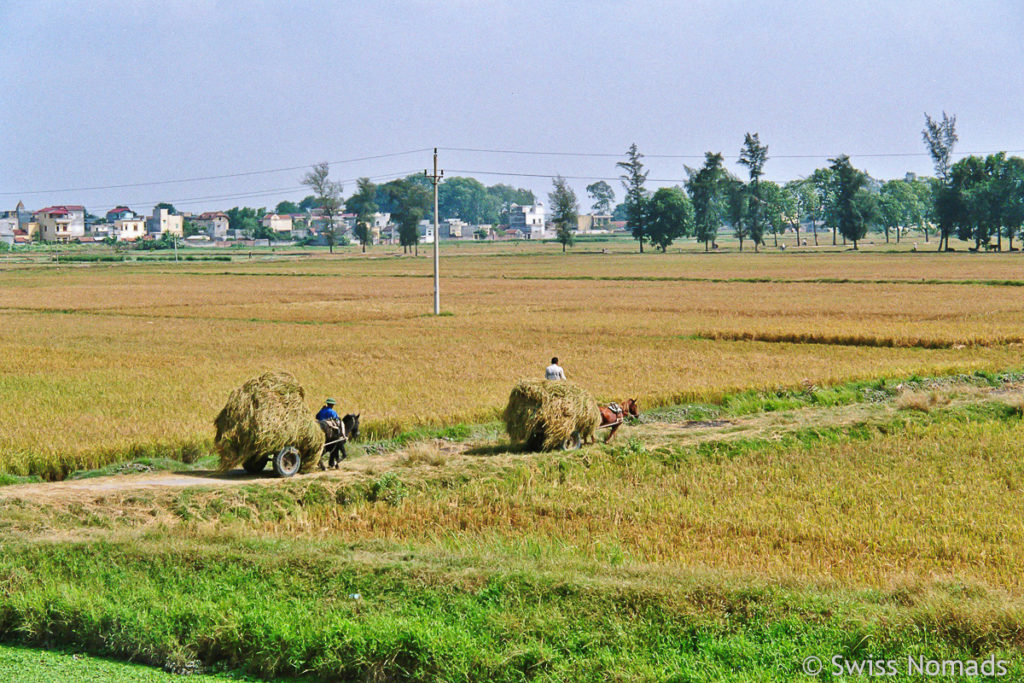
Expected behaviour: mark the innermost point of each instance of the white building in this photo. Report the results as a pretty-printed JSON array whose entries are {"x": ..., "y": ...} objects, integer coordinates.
[
  {"x": 426, "y": 231},
  {"x": 528, "y": 219},
  {"x": 7, "y": 227},
  {"x": 128, "y": 229},
  {"x": 278, "y": 223},
  {"x": 454, "y": 228},
  {"x": 163, "y": 221},
  {"x": 61, "y": 223}
]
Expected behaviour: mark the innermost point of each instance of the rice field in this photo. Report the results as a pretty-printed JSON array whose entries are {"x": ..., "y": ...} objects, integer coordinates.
[{"x": 99, "y": 361}]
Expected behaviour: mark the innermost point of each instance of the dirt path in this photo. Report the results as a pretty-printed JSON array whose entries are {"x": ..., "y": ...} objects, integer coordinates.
[{"x": 444, "y": 453}]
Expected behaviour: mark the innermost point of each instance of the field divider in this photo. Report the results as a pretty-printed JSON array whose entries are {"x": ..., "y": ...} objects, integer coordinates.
[{"x": 851, "y": 340}]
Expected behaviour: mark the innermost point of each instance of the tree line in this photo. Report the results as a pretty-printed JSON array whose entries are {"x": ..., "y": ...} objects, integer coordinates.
[{"x": 977, "y": 199}]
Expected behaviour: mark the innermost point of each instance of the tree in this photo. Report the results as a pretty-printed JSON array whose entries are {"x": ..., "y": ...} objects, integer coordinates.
[
  {"x": 636, "y": 194},
  {"x": 855, "y": 207},
  {"x": 603, "y": 196},
  {"x": 707, "y": 194},
  {"x": 188, "y": 229},
  {"x": 940, "y": 138},
  {"x": 410, "y": 203},
  {"x": 243, "y": 220},
  {"x": 564, "y": 211},
  {"x": 364, "y": 206},
  {"x": 328, "y": 197},
  {"x": 308, "y": 202},
  {"x": 468, "y": 199},
  {"x": 170, "y": 207},
  {"x": 738, "y": 207},
  {"x": 505, "y": 196},
  {"x": 288, "y": 207},
  {"x": 753, "y": 155},
  {"x": 779, "y": 209},
  {"x": 806, "y": 204},
  {"x": 898, "y": 206},
  {"x": 670, "y": 216}
]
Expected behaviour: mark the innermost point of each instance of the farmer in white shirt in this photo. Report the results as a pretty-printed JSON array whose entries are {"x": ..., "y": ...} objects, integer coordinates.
[{"x": 554, "y": 371}]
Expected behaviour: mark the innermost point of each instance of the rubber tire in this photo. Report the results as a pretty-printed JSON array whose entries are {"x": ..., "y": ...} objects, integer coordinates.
[
  {"x": 255, "y": 465},
  {"x": 287, "y": 462},
  {"x": 573, "y": 443}
]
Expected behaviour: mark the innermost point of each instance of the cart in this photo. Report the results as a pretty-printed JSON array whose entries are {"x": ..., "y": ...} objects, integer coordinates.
[{"x": 286, "y": 461}]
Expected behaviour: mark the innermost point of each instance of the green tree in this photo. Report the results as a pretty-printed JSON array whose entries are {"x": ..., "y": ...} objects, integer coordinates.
[
  {"x": 564, "y": 211},
  {"x": 753, "y": 155},
  {"x": 670, "y": 216},
  {"x": 856, "y": 207},
  {"x": 468, "y": 199},
  {"x": 738, "y": 207},
  {"x": 633, "y": 180},
  {"x": 779, "y": 209},
  {"x": 897, "y": 203},
  {"x": 288, "y": 207},
  {"x": 603, "y": 196},
  {"x": 363, "y": 205},
  {"x": 308, "y": 203},
  {"x": 410, "y": 203},
  {"x": 807, "y": 205},
  {"x": 188, "y": 229},
  {"x": 170, "y": 207},
  {"x": 504, "y": 196},
  {"x": 707, "y": 187},
  {"x": 243, "y": 219},
  {"x": 328, "y": 198},
  {"x": 940, "y": 138}
]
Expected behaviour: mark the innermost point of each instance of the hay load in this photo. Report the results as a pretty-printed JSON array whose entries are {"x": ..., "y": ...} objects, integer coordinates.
[
  {"x": 261, "y": 417},
  {"x": 545, "y": 415}
]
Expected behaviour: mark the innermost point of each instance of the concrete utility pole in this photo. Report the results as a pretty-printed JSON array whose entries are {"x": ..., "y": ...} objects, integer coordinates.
[{"x": 435, "y": 179}]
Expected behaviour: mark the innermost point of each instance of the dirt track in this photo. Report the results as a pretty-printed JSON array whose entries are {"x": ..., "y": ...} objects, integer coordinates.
[{"x": 652, "y": 433}]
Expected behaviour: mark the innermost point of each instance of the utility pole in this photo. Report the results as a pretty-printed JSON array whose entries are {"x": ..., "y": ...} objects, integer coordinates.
[{"x": 435, "y": 179}]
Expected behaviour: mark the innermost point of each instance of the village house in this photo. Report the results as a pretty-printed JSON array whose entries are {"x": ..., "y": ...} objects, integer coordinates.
[
  {"x": 119, "y": 212},
  {"x": 163, "y": 221},
  {"x": 593, "y": 223},
  {"x": 64, "y": 223},
  {"x": 8, "y": 226},
  {"x": 214, "y": 223},
  {"x": 129, "y": 229},
  {"x": 529, "y": 220},
  {"x": 278, "y": 223}
]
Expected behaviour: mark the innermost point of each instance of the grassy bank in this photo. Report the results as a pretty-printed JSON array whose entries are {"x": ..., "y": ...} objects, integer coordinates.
[{"x": 728, "y": 560}]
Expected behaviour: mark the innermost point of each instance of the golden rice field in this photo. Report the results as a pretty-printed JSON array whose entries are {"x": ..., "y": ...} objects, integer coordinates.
[{"x": 98, "y": 359}]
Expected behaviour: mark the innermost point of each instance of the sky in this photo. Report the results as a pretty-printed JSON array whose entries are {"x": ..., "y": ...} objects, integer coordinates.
[{"x": 136, "y": 94}]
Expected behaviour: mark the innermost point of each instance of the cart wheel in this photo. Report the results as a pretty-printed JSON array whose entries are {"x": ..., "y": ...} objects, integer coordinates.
[
  {"x": 287, "y": 461},
  {"x": 255, "y": 465},
  {"x": 572, "y": 443}
]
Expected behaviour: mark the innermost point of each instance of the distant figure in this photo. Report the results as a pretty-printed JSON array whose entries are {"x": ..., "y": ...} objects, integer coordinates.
[
  {"x": 554, "y": 371},
  {"x": 915, "y": 247},
  {"x": 327, "y": 412}
]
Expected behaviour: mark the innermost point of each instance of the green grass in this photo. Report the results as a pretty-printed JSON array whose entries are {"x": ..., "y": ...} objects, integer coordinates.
[
  {"x": 534, "y": 572},
  {"x": 289, "y": 608},
  {"x": 24, "y": 665}
]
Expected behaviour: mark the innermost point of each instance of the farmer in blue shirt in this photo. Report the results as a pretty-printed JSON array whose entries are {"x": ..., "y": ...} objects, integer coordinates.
[{"x": 327, "y": 412}]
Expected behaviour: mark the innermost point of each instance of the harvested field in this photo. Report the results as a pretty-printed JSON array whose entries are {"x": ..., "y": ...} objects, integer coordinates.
[{"x": 127, "y": 358}]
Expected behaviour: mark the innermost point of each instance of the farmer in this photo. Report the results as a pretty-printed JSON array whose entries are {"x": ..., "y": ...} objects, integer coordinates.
[
  {"x": 334, "y": 433},
  {"x": 554, "y": 371},
  {"x": 327, "y": 412}
]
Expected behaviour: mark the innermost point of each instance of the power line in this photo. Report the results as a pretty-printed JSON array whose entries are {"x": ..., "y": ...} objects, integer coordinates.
[
  {"x": 216, "y": 177},
  {"x": 567, "y": 177},
  {"x": 258, "y": 193},
  {"x": 701, "y": 156}
]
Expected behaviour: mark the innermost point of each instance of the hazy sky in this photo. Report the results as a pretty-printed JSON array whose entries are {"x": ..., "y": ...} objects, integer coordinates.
[{"x": 116, "y": 93}]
